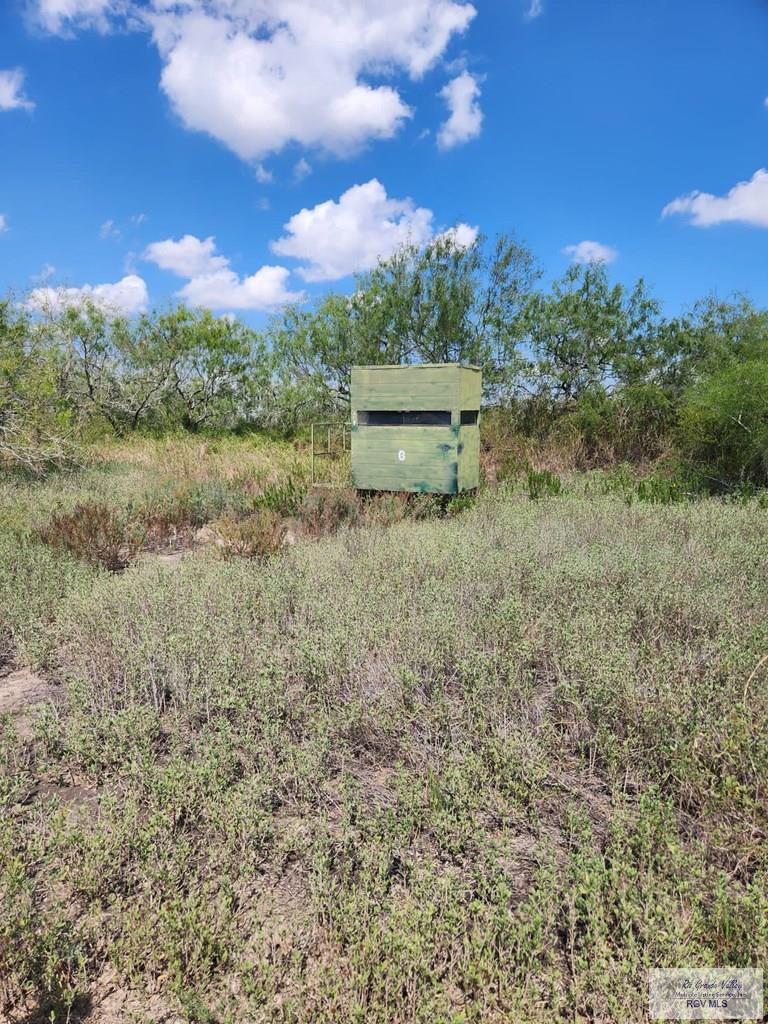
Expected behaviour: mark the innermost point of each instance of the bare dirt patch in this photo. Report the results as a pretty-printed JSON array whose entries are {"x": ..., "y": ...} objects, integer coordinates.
[
  {"x": 22, "y": 692},
  {"x": 168, "y": 559}
]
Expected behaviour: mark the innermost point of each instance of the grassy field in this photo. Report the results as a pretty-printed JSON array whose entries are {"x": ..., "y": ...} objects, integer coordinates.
[{"x": 482, "y": 764}]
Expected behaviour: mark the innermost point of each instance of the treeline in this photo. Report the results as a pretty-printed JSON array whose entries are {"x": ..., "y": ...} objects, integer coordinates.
[{"x": 585, "y": 362}]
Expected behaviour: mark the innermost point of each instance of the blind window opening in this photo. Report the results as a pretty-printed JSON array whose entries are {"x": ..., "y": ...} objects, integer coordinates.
[{"x": 377, "y": 418}]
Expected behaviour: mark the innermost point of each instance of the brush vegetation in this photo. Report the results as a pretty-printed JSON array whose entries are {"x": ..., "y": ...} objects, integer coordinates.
[
  {"x": 482, "y": 762},
  {"x": 588, "y": 365}
]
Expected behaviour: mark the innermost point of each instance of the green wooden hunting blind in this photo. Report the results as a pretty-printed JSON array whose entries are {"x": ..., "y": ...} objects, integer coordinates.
[{"x": 416, "y": 428}]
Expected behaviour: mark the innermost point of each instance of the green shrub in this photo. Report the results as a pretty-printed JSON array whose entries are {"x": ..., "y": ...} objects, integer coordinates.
[
  {"x": 661, "y": 490},
  {"x": 284, "y": 499},
  {"x": 723, "y": 426},
  {"x": 460, "y": 503},
  {"x": 543, "y": 483}
]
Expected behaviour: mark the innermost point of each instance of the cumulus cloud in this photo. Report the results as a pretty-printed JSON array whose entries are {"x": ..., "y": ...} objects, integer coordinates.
[
  {"x": 591, "y": 252},
  {"x": 535, "y": 10},
  {"x": 129, "y": 296},
  {"x": 336, "y": 238},
  {"x": 212, "y": 282},
  {"x": 12, "y": 91},
  {"x": 465, "y": 118},
  {"x": 3, "y": 223},
  {"x": 331, "y": 240},
  {"x": 746, "y": 203},
  {"x": 340, "y": 237},
  {"x": 265, "y": 290},
  {"x": 187, "y": 257},
  {"x": 260, "y": 74}
]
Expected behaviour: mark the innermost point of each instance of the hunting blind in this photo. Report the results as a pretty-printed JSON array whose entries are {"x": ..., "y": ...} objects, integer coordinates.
[{"x": 416, "y": 428}]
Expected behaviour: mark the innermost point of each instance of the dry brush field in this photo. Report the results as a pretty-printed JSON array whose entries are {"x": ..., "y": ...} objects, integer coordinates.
[{"x": 269, "y": 755}]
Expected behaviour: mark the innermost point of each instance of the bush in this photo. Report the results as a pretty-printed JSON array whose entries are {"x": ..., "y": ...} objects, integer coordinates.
[
  {"x": 460, "y": 503},
  {"x": 661, "y": 490},
  {"x": 285, "y": 498},
  {"x": 94, "y": 533},
  {"x": 255, "y": 536},
  {"x": 324, "y": 510},
  {"x": 543, "y": 483},
  {"x": 723, "y": 426}
]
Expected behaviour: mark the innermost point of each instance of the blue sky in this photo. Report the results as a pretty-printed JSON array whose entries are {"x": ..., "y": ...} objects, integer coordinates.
[{"x": 241, "y": 153}]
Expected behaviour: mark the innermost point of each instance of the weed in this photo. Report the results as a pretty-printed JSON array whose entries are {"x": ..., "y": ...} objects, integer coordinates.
[
  {"x": 35, "y": 583},
  {"x": 543, "y": 483},
  {"x": 661, "y": 491},
  {"x": 283, "y": 499},
  {"x": 254, "y": 536},
  {"x": 324, "y": 510},
  {"x": 460, "y": 503},
  {"x": 94, "y": 533}
]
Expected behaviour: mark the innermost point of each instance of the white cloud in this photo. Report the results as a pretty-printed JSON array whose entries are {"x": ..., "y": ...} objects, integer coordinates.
[
  {"x": 591, "y": 252},
  {"x": 340, "y": 237},
  {"x": 536, "y": 8},
  {"x": 465, "y": 117},
  {"x": 46, "y": 273},
  {"x": 263, "y": 176},
  {"x": 212, "y": 282},
  {"x": 62, "y": 16},
  {"x": 128, "y": 296},
  {"x": 12, "y": 91},
  {"x": 301, "y": 170},
  {"x": 224, "y": 289},
  {"x": 260, "y": 74},
  {"x": 335, "y": 239},
  {"x": 188, "y": 257},
  {"x": 746, "y": 203},
  {"x": 462, "y": 235},
  {"x": 108, "y": 230},
  {"x": 138, "y": 219},
  {"x": 3, "y": 223}
]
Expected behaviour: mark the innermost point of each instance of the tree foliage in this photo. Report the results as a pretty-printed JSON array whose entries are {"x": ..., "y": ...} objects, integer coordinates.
[
  {"x": 443, "y": 302},
  {"x": 181, "y": 367},
  {"x": 588, "y": 335},
  {"x": 586, "y": 358},
  {"x": 37, "y": 426}
]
